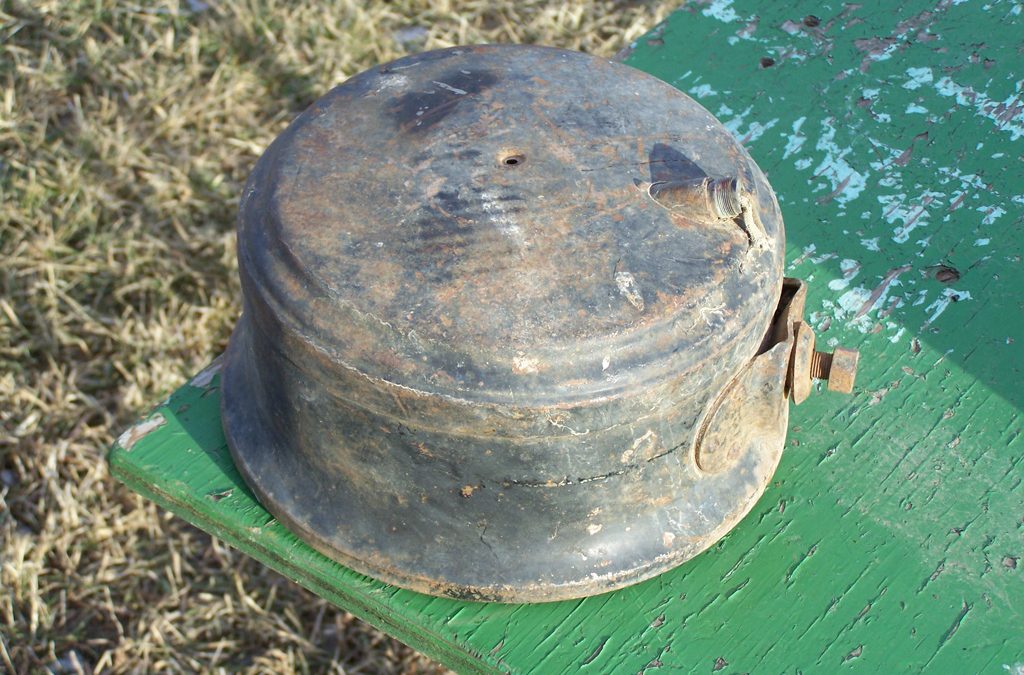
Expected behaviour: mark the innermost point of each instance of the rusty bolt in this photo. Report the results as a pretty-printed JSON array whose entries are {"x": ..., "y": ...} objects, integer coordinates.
[
  {"x": 725, "y": 197},
  {"x": 698, "y": 198},
  {"x": 839, "y": 368}
]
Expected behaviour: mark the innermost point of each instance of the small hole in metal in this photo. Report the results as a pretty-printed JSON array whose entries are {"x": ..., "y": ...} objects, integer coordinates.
[{"x": 513, "y": 160}]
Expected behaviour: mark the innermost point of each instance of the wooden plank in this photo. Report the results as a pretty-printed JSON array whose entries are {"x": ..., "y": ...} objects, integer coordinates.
[{"x": 891, "y": 536}]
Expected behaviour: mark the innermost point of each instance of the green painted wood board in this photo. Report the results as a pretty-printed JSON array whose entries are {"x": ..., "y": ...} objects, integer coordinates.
[{"x": 892, "y": 537}]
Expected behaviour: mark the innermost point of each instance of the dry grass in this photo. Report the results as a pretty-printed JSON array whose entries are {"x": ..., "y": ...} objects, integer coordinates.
[{"x": 126, "y": 130}]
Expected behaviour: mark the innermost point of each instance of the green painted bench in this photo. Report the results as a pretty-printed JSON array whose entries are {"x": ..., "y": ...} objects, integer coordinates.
[{"x": 892, "y": 537}]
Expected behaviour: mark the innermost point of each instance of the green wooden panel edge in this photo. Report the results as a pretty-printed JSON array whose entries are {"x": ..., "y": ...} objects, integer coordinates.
[{"x": 178, "y": 458}]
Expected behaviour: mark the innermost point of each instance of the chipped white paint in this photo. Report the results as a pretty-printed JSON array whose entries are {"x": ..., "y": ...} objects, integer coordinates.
[
  {"x": 807, "y": 252},
  {"x": 907, "y": 214},
  {"x": 966, "y": 180},
  {"x": 982, "y": 242},
  {"x": 870, "y": 244},
  {"x": 854, "y": 307},
  {"x": 849, "y": 269},
  {"x": 129, "y": 438},
  {"x": 915, "y": 109},
  {"x": 795, "y": 140},
  {"x": 756, "y": 130},
  {"x": 846, "y": 181},
  {"x": 883, "y": 54},
  {"x": 667, "y": 538},
  {"x": 594, "y": 528},
  {"x": 991, "y": 213},
  {"x": 1004, "y": 113},
  {"x": 721, "y": 10},
  {"x": 206, "y": 375},
  {"x": 605, "y": 362},
  {"x": 682, "y": 77},
  {"x": 939, "y": 306},
  {"x": 630, "y": 289},
  {"x": 850, "y": 302},
  {"x": 702, "y": 91},
  {"x": 818, "y": 259},
  {"x": 735, "y": 124},
  {"x": 918, "y": 77}
]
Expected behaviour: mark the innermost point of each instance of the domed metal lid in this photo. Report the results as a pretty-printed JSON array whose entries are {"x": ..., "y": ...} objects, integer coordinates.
[
  {"x": 492, "y": 297},
  {"x": 478, "y": 222}
]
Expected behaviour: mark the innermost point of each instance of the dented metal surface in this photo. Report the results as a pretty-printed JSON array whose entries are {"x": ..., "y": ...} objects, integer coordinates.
[{"x": 512, "y": 326}]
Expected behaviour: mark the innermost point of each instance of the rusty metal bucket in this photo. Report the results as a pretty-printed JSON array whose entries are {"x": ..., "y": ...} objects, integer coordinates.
[{"x": 515, "y": 326}]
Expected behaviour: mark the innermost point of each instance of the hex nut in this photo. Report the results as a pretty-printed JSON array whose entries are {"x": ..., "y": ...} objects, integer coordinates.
[{"x": 843, "y": 370}]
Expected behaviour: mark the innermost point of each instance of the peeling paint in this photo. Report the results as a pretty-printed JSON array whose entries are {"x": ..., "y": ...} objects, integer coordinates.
[
  {"x": 1008, "y": 114},
  {"x": 849, "y": 269},
  {"x": 991, "y": 213},
  {"x": 721, "y": 10},
  {"x": 847, "y": 182},
  {"x": 702, "y": 91},
  {"x": 909, "y": 214},
  {"x": 939, "y": 306},
  {"x": 796, "y": 140},
  {"x": 206, "y": 375},
  {"x": 129, "y": 438},
  {"x": 918, "y": 77}
]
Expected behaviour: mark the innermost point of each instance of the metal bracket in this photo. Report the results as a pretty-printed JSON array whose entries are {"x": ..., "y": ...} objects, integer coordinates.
[{"x": 838, "y": 368}]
